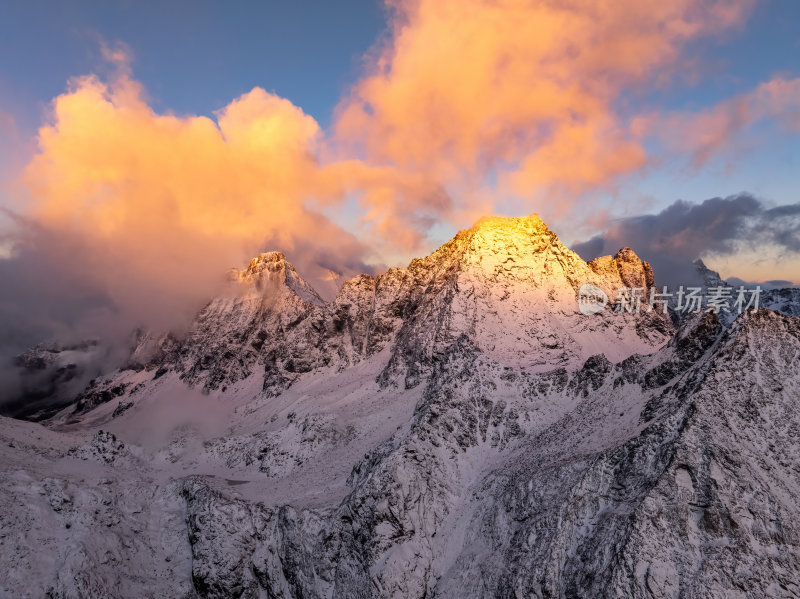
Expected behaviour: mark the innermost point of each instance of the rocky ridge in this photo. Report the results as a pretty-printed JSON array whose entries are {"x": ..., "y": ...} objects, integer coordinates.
[
  {"x": 456, "y": 428},
  {"x": 506, "y": 283}
]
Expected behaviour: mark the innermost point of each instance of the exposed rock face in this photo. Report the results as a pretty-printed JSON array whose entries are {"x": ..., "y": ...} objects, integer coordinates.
[
  {"x": 249, "y": 327},
  {"x": 786, "y": 301},
  {"x": 456, "y": 428},
  {"x": 709, "y": 278},
  {"x": 631, "y": 492},
  {"x": 672, "y": 509},
  {"x": 506, "y": 283},
  {"x": 632, "y": 271}
]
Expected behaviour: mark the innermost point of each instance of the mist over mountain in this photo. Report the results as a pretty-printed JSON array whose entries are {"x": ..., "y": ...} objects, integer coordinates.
[{"x": 683, "y": 232}]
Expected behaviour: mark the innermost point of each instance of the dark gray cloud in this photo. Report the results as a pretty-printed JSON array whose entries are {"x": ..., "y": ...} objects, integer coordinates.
[
  {"x": 43, "y": 299},
  {"x": 673, "y": 238},
  {"x": 771, "y": 284}
]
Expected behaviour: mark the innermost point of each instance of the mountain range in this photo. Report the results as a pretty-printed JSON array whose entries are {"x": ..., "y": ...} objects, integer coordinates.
[{"x": 455, "y": 428}]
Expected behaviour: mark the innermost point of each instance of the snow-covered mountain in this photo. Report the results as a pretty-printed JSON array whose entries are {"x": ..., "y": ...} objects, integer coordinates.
[
  {"x": 784, "y": 300},
  {"x": 456, "y": 428}
]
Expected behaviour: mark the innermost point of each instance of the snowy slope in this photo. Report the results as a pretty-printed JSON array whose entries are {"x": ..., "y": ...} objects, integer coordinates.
[
  {"x": 509, "y": 284},
  {"x": 456, "y": 428}
]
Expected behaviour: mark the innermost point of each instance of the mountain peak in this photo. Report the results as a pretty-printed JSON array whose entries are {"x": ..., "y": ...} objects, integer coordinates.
[
  {"x": 271, "y": 269},
  {"x": 531, "y": 222},
  {"x": 627, "y": 254},
  {"x": 632, "y": 271},
  {"x": 265, "y": 258},
  {"x": 521, "y": 248},
  {"x": 708, "y": 277},
  {"x": 265, "y": 265},
  {"x": 494, "y": 232}
]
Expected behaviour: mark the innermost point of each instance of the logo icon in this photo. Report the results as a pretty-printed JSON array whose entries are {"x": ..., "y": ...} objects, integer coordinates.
[{"x": 591, "y": 299}]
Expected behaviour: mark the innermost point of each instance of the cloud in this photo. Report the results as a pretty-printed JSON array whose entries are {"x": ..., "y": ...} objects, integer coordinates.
[
  {"x": 125, "y": 217},
  {"x": 499, "y": 98},
  {"x": 119, "y": 54},
  {"x": 719, "y": 129},
  {"x": 718, "y": 228},
  {"x": 769, "y": 284},
  {"x": 157, "y": 206}
]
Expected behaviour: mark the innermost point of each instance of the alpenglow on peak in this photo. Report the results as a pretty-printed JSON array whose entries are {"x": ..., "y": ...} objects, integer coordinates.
[{"x": 516, "y": 242}]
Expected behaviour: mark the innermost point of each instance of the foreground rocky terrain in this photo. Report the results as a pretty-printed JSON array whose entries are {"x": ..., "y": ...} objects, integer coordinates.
[{"x": 456, "y": 428}]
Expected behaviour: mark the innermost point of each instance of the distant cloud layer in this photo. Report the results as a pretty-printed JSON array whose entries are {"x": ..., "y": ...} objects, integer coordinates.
[
  {"x": 671, "y": 239},
  {"x": 703, "y": 135}
]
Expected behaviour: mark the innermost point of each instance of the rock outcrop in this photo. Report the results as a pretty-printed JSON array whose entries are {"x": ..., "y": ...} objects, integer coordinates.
[{"x": 456, "y": 428}]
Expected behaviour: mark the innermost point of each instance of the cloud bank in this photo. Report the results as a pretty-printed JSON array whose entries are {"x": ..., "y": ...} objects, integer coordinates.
[
  {"x": 155, "y": 208},
  {"x": 716, "y": 230},
  {"x": 719, "y": 129},
  {"x": 127, "y": 218},
  {"x": 510, "y": 98}
]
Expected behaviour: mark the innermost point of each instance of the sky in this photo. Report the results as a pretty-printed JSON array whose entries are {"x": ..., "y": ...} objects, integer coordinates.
[
  {"x": 147, "y": 147},
  {"x": 193, "y": 57}
]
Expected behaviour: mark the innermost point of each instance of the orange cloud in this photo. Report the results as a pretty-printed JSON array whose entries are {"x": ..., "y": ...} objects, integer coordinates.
[
  {"x": 158, "y": 206},
  {"x": 118, "y": 54},
  {"x": 521, "y": 92},
  {"x": 705, "y": 134},
  {"x": 470, "y": 104}
]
